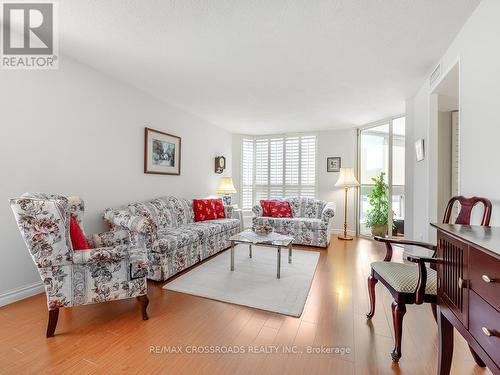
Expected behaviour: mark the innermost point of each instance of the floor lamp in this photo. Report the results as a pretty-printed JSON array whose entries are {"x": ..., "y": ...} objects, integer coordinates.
[{"x": 347, "y": 180}]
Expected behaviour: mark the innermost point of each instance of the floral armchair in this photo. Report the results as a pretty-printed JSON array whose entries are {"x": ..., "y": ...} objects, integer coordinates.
[{"x": 114, "y": 269}]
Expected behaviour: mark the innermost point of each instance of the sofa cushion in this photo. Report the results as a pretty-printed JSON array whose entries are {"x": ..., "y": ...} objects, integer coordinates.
[
  {"x": 294, "y": 205},
  {"x": 174, "y": 238},
  {"x": 280, "y": 209},
  {"x": 219, "y": 208},
  {"x": 162, "y": 211},
  {"x": 146, "y": 210},
  {"x": 266, "y": 209},
  {"x": 204, "y": 209},
  {"x": 180, "y": 209},
  {"x": 311, "y": 208},
  {"x": 211, "y": 227},
  {"x": 291, "y": 225},
  {"x": 77, "y": 236}
]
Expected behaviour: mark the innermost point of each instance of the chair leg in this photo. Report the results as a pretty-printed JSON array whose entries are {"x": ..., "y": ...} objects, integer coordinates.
[
  {"x": 372, "y": 281},
  {"x": 144, "y": 302},
  {"x": 51, "y": 326},
  {"x": 398, "y": 311},
  {"x": 434, "y": 311},
  {"x": 478, "y": 360}
]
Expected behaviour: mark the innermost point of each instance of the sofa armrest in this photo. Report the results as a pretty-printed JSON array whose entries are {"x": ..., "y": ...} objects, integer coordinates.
[
  {"x": 132, "y": 254},
  {"x": 257, "y": 210},
  {"x": 112, "y": 238},
  {"x": 328, "y": 211},
  {"x": 123, "y": 218}
]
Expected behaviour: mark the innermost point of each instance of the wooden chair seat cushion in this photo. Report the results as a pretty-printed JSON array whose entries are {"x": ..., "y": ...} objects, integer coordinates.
[{"x": 404, "y": 277}]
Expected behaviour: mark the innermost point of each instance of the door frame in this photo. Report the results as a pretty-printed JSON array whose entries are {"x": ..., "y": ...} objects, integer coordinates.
[{"x": 387, "y": 120}]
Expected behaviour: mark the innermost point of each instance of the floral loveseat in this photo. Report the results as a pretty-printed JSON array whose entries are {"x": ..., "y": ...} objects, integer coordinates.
[
  {"x": 174, "y": 241},
  {"x": 310, "y": 222}
]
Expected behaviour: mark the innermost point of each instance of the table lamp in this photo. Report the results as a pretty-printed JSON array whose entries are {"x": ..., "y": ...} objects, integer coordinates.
[
  {"x": 226, "y": 188},
  {"x": 347, "y": 180}
]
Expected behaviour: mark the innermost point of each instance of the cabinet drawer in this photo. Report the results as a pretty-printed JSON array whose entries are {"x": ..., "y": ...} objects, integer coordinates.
[
  {"x": 483, "y": 267},
  {"x": 484, "y": 320}
]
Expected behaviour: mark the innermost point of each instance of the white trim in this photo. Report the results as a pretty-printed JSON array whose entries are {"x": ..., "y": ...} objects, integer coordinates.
[{"x": 21, "y": 293}]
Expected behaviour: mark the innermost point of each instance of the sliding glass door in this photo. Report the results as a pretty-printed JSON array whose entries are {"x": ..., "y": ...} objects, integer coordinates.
[{"x": 381, "y": 149}]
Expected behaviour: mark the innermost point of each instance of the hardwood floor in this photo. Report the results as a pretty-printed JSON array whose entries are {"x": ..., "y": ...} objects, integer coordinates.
[{"x": 111, "y": 338}]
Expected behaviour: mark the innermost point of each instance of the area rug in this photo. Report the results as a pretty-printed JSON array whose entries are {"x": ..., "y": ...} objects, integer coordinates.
[{"x": 253, "y": 282}]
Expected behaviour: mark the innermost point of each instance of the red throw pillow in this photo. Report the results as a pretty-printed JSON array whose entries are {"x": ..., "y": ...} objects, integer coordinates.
[
  {"x": 204, "y": 209},
  {"x": 280, "y": 209},
  {"x": 266, "y": 209},
  {"x": 219, "y": 208},
  {"x": 76, "y": 235}
]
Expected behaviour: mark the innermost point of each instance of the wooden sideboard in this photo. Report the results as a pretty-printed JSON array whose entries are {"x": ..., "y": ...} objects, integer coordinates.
[{"x": 469, "y": 292}]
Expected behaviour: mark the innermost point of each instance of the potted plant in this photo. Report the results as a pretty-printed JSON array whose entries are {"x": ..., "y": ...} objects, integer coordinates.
[{"x": 377, "y": 216}]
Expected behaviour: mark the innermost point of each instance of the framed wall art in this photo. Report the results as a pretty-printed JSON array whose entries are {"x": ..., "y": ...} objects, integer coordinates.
[
  {"x": 333, "y": 164},
  {"x": 220, "y": 164},
  {"x": 162, "y": 152}
]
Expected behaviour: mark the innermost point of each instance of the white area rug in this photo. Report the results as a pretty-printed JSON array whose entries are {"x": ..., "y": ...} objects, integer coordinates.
[{"x": 253, "y": 282}]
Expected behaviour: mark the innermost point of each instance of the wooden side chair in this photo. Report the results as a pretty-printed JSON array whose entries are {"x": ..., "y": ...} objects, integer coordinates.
[{"x": 416, "y": 284}]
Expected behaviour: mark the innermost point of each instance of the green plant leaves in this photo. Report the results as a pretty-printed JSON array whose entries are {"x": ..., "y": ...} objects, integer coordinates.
[{"x": 379, "y": 201}]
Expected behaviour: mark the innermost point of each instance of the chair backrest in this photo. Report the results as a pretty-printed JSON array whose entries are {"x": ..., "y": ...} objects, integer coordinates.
[
  {"x": 43, "y": 220},
  {"x": 466, "y": 206}
]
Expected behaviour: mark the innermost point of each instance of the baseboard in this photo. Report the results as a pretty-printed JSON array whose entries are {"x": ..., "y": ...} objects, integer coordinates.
[{"x": 21, "y": 293}]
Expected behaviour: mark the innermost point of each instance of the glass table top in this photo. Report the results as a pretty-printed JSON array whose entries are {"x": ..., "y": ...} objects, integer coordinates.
[{"x": 273, "y": 238}]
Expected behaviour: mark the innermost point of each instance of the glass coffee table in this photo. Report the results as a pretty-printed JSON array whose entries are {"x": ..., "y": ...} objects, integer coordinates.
[{"x": 272, "y": 239}]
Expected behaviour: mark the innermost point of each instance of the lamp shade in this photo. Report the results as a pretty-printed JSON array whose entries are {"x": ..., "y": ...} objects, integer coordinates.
[
  {"x": 226, "y": 186},
  {"x": 347, "y": 178}
]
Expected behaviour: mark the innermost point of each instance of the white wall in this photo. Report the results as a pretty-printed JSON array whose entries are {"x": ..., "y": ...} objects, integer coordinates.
[
  {"x": 337, "y": 143},
  {"x": 476, "y": 47},
  {"x": 75, "y": 131},
  {"x": 330, "y": 143}
]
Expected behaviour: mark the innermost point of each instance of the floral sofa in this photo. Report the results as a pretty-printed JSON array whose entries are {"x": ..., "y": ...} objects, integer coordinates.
[
  {"x": 310, "y": 223},
  {"x": 174, "y": 241},
  {"x": 114, "y": 269}
]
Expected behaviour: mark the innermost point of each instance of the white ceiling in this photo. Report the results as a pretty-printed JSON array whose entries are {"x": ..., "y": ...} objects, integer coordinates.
[{"x": 267, "y": 66}]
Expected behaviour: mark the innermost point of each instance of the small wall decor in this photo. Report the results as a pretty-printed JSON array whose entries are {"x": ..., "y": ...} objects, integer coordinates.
[
  {"x": 333, "y": 164},
  {"x": 420, "y": 149},
  {"x": 162, "y": 152},
  {"x": 220, "y": 164}
]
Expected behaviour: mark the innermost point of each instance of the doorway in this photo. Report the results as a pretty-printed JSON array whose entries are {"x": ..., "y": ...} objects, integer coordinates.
[
  {"x": 445, "y": 98},
  {"x": 381, "y": 149}
]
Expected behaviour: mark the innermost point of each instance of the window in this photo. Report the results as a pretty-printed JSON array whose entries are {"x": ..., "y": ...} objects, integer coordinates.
[
  {"x": 381, "y": 148},
  {"x": 277, "y": 166}
]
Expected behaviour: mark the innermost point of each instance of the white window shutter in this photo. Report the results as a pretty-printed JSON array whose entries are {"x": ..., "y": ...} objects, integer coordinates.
[{"x": 278, "y": 166}]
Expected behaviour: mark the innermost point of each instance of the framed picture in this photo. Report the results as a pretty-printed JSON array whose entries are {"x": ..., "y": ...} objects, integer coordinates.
[
  {"x": 333, "y": 164},
  {"x": 220, "y": 164},
  {"x": 419, "y": 149},
  {"x": 162, "y": 152}
]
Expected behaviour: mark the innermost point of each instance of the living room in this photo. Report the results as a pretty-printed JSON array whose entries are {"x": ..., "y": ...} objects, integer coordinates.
[{"x": 249, "y": 187}]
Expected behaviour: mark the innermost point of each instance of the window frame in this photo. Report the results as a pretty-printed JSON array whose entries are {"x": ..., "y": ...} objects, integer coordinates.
[
  {"x": 269, "y": 137},
  {"x": 389, "y": 121}
]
